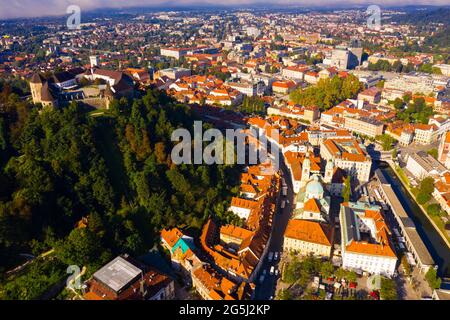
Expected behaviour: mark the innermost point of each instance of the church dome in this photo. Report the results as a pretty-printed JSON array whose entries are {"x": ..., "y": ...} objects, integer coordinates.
[{"x": 314, "y": 187}]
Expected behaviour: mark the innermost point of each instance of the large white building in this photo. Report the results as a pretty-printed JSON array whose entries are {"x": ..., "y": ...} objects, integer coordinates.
[
  {"x": 348, "y": 155},
  {"x": 418, "y": 83},
  {"x": 295, "y": 72},
  {"x": 445, "y": 68},
  {"x": 308, "y": 237},
  {"x": 422, "y": 165},
  {"x": 176, "y": 53},
  {"x": 365, "y": 240},
  {"x": 174, "y": 73}
]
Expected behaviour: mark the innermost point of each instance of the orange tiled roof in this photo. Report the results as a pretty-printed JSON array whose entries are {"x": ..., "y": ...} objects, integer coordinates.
[
  {"x": 171, "y": 236},
  {"x": 236, "y": 232},
  {"x": 371, "y": 248},
  {"x": 308, "y": 231},
  {"x": 312, "y": 206}
]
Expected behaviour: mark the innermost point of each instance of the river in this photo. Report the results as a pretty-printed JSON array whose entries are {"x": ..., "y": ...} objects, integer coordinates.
[{"x": 433, "y": 241}]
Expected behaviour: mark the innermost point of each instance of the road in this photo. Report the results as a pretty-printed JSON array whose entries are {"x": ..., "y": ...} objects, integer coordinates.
[{"x": 267, "y": 289}]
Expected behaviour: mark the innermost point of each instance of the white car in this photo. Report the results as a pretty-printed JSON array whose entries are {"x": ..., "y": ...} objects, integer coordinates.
[
  {"x": 272, "y": 270},
  {"x": 277, "y": 272},
  {"x": 275, "y": 257}
]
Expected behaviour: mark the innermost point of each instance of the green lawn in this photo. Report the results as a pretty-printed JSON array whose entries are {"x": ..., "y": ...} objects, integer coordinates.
[
  {"x": 439, "y": 223},
  {"x": 402, "y": 175}
]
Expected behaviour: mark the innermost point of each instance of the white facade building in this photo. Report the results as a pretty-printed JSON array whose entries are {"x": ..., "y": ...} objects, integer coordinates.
[{"x": 360, "y": 221}]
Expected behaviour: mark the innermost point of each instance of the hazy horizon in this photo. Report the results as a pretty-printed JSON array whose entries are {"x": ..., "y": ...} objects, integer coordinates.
[{"x": 44, "y": 8}]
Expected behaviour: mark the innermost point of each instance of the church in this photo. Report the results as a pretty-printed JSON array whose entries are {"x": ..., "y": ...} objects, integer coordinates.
[{"x": 313, "y": 186}]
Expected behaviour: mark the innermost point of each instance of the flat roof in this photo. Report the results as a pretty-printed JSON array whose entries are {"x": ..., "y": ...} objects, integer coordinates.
[
  {"x": 117, "y": 274},
  {"x": 420, "y": 248},
  {"x": 427, "y": 162},
  {"x": 407, "y": 223}
]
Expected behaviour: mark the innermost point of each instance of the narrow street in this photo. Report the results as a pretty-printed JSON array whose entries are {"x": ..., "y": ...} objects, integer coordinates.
[{"x": 266, "y": 290}]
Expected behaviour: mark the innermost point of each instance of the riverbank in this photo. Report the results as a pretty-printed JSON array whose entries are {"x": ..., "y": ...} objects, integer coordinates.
[{"x": 444, "y": 237}]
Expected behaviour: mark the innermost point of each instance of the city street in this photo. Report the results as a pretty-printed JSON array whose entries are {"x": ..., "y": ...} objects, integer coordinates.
[{"x": 266, "y": 290}]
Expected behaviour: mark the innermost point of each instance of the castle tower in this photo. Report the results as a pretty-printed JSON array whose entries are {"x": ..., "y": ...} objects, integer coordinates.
[
  {"x": 36, "y": 84},
  {"x": 94, "y": 61},
  {"x": 329, "y": 168},
  {"x": 47, "y": 98},
  {"x": 108, "y": 96}
]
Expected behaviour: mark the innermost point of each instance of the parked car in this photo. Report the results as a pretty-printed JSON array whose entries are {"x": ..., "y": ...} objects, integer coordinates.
[
  {"x": 272, "y": 270},
  {"x": 375, "y": 295},
  {"x": 275, "y": 257},
  {"x": 264, "y": 272},
  {"x": 277, "y": 272},
  {"x": 270, "y": 257},
  {"x": 283, "y": 204}
]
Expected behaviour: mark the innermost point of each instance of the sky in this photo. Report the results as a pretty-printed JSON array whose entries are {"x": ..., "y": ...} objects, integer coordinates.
[{"x": 38, "y": 8}]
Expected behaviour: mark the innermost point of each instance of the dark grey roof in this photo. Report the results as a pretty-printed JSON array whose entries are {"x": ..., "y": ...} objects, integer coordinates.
[
  {"x": 349, "y": 225},
  {"x": 380, "y": 175},
  {"x": 122, "y": 85},
  {"x": 46, "y": 95},
  {"x": 63, "y": 77},
  {"x": 116, "y": 75},
  {"x": 76, "y": 71}
]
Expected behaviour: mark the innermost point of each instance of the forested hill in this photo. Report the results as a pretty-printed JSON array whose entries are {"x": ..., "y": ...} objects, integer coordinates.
[
  {"x": 424, "y": 16},
  {"x": 61, "y": 165}
]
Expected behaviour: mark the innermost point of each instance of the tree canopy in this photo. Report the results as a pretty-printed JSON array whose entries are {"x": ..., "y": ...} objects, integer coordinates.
[
  {"x": 58, "y": 166},
  {"x": 328, "y": 92}
]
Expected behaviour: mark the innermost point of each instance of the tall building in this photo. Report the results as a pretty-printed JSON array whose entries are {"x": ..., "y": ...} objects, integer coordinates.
[
  {"x": 340, "y": 58},
  {"x": 355, "y": 57}
]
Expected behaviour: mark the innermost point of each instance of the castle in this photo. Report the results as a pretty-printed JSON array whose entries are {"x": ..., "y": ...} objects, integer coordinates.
[{"x": 66, "y": 86}]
